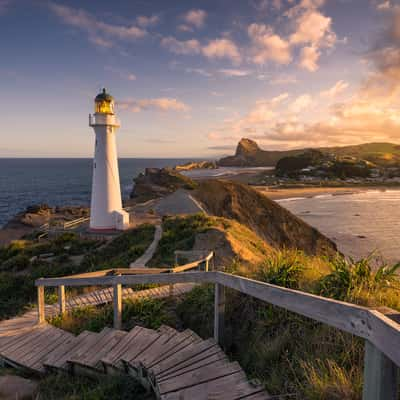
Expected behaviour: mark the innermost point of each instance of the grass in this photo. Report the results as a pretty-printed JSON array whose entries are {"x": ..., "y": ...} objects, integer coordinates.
[
  {"x": 179, "y": 234},
  {"x": 147, "y": 312},
  {"x": 289, "y": 353},
  {"x": 18, "y": 271},
  {"x": 66, "y": 387}
]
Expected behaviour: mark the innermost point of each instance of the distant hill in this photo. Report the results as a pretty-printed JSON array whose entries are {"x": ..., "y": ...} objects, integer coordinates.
[{"x": 249, "y": 154}]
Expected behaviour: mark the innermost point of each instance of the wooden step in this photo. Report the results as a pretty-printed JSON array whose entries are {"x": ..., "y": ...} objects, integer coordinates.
[
  {"x": 185, "y": 357},
  {"x": 58, "y": 361},
  {"x": 88, "y": 362},
  {"x": 176, "y": 344},
  {"x": 110, "y": 360},
  {"x": 199, "y": 376}
]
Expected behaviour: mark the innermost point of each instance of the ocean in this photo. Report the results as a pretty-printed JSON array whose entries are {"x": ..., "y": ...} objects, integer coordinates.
[
  {"x": 359, "y": 223},
  {"x": 61, "y": 181}
]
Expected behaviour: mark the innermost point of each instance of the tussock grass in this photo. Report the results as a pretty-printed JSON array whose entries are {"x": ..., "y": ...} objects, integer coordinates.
[{"x": 289, "y": 353}]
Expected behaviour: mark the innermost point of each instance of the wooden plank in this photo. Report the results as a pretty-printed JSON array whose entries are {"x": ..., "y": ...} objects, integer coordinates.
[
  {"x": 192, "y": 378},
  {"x": 190, "y": 355},
  {"x": 219, "y": 314},
  {"x": 341, "y": 315},
  {"x": 380, "y": 375},
  {"x": 117, "y": 306},
  {"x": 61, "y": 299},
  {"x": 41, "y": 305}
]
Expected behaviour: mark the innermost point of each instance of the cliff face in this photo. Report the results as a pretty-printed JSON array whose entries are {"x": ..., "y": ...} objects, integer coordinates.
[
  {"x": 277, "y": 226},
  {"x": 249, "y": 154}
]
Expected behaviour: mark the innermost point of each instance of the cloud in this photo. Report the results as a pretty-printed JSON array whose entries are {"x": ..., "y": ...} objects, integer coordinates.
[
  {"x": 301, "y": 103},
  {"x": 122, "y": 74},
  {"x": 222, "y": 48},
  {"x": 195, "y": 18},
  {"x": 235, "y": 72},
  {"x": 313, "y": 30},
  {"x": 199, "y": 71},
  {"x": 100, "y": 33},
  {"x": 160, "y": 104},
  {"x": 309, "y": 57},
  {"x": 283, "y": 80},
  {"x": 268, "y": 46},
  {"x": 385, "y": 5},
  {"x": 182, "y": 47},
  {"x": 145, "y": 22},
  {"x": 338, "y": 88}
]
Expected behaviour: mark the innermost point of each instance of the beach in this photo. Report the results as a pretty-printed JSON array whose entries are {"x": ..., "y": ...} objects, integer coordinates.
[{"x": 308, "y": 192}]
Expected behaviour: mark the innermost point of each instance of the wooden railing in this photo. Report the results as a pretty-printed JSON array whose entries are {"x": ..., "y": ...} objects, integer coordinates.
[{"x": 381, "y": 334}]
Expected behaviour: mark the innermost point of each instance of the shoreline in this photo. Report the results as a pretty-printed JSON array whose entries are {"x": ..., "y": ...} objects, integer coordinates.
[{"x": 310, "y": 192}]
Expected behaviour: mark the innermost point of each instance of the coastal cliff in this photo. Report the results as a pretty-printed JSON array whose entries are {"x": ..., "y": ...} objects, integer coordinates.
[
  {"x": 273, "y": 223},
  {"x": 249, "y": 154}
]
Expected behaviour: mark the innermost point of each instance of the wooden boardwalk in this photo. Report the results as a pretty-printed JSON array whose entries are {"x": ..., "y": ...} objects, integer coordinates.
[{"x": 174, "y": 365}]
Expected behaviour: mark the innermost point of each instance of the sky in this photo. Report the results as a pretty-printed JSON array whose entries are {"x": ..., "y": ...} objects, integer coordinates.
[{"x": 191, "y": 78}]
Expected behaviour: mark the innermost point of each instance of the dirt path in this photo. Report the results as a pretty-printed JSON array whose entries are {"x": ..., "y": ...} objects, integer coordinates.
[{"x": 148, "y": 254}]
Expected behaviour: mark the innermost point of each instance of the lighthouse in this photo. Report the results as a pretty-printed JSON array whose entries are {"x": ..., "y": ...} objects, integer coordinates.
[{"x": 106, "y": 213}]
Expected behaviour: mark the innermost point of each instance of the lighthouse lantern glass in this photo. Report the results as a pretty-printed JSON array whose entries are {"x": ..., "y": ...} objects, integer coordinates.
[{"x": 104, "y": 107}]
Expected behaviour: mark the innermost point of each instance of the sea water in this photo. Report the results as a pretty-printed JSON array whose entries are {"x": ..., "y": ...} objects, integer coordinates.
[
  {"x": 27, "y": 181},
  {"x": 359, "y": 223}
]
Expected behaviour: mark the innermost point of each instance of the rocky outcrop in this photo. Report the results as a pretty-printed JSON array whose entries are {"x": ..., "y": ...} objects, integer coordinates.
[
  {"x": 158, "y": 182},
  {"x": 249, "y": 154},
  {"x": 273, "y": 223},
  {"x": 196, "y": 165}
]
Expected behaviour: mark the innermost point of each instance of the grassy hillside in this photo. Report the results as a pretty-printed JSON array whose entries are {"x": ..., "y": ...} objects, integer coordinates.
[
  {"x": 19, "y": 267},
  {"x": 277, "y": 226},
  {"x": 229, "y": 239}
]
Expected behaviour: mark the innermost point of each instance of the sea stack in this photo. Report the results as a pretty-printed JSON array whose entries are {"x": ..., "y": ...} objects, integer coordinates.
[{"x": 106, "y": 213}]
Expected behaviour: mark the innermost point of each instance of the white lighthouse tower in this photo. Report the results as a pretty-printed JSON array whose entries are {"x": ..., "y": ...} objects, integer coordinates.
[{"x": 106, "y": 211}]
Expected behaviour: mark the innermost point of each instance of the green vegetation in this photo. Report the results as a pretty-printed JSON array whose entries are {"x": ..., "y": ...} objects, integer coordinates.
[
  {"x": 179, "y": 234},
  {"x": 291, "y": 354},
  {"x": 147, "y": 312},
  {"x": 21, "y": 264},
  {"x": 66, "y": 387},
  {"x": 121, "y": 251}
]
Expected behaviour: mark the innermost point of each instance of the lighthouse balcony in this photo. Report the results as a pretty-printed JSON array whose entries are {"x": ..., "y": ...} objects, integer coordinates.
[{"x": 103, "y": 119}]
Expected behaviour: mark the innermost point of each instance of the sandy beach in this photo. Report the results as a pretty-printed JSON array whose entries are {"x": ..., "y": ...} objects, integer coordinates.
[{"x": 308, "y": 192}]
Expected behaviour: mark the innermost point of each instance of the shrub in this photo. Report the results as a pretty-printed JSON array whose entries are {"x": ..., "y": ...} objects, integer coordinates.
[
  {"x": 358, "y": 281},
  {"x": 282, "y": 268}
]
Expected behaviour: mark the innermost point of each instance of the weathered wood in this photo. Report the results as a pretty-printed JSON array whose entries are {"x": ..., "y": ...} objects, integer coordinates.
[
  {"x": 117, "y": 303},
  {"x": 199, "y": 277},
  {"x": 380, "y": 375},
  {"x": 61, "y": 299},
  {"x": 219, "y": 314},
  {"x": 345, "y": 316},
  {"x": 41, "y": 305}
]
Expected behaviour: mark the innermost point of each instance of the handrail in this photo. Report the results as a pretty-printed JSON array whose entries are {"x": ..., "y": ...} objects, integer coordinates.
[{"x": 379, "y": 331}]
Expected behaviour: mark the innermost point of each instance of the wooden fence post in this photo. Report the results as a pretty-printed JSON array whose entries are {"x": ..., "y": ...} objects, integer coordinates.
[
  {"x": 117, "y": 301},
  {"x": 41, "y": 305},
  {"x": 61, "y": 299},
  {"x": 219, "y": 313},
  {"x": 380, "y": 375}
]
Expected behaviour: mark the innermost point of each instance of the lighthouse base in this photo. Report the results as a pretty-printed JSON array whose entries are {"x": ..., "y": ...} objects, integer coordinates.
[{"x": 119, "y": 219}]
